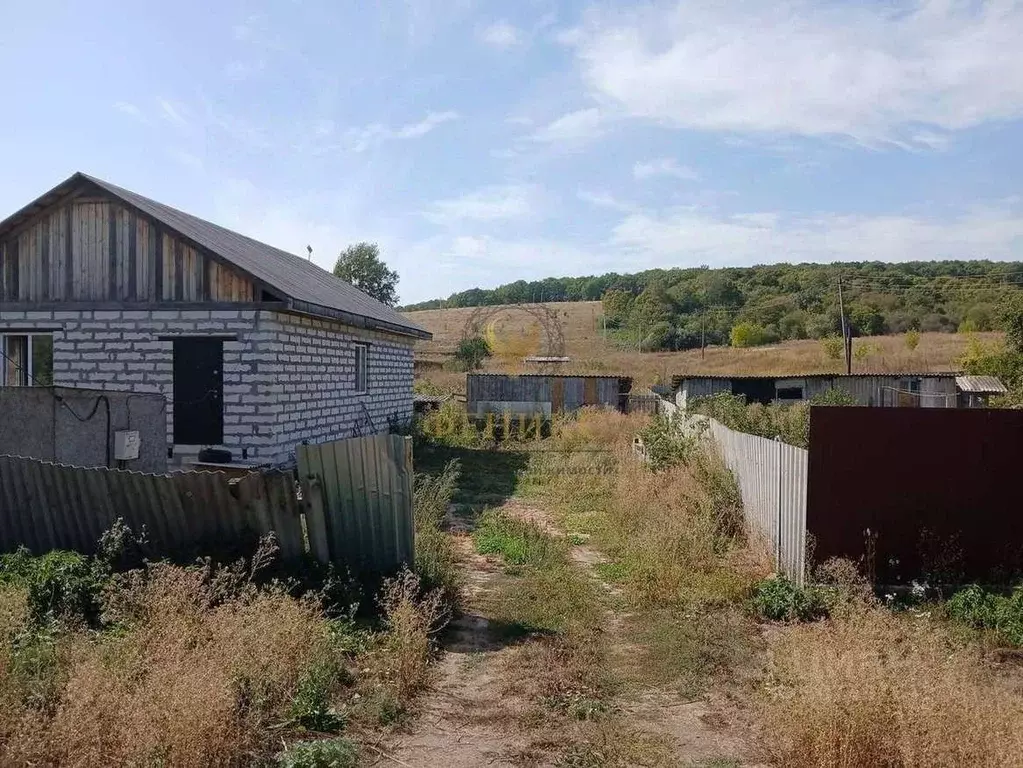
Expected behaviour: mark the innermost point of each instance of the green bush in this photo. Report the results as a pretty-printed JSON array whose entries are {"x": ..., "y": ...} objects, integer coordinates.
[
  {"x": 311, "y": 706},
  {"x": 60, "y": 585},
  {"x": 666, "y": 445},
  {"x": 471, "y": 352},
  {"x": 778, "y": 599},
  {"x": 789, "y": 421},
  {"x": 328, "y": 753},
  {"x": 980, "y": 609},
  {"x": 748, "y": 335},
  {"x": 436, "y": 563},
  {"x": 832, "y": 346}
]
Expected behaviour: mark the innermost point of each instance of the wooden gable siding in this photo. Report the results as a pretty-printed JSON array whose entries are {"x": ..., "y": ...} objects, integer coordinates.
[{"x": 93, "y": 249}]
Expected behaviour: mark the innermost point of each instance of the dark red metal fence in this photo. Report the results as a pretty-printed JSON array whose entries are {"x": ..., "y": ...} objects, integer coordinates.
[{"x": 940, "y": 490}]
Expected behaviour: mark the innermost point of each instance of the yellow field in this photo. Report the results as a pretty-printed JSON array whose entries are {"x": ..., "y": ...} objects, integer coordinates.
[{"x": 592, "y": 353}]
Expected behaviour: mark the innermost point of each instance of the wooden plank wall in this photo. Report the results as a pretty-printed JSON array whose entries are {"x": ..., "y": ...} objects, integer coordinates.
[{"x": 93, "y": 249}]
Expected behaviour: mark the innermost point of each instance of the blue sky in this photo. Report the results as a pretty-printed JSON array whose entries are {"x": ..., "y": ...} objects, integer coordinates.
[{"x": 482, "y": 142}]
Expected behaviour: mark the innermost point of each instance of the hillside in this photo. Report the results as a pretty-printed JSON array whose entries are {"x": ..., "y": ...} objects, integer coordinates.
[
  {"x": 593, "y": 352},
  {"x": 677, "y": 309}
]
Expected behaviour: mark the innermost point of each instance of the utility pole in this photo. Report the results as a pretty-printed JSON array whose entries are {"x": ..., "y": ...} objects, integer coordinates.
[
  {"x": 846, "y": 337},
  {"x": 703, "y": 334}
]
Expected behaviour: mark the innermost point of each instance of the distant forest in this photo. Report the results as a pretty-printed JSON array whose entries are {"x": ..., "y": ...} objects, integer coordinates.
[{"x": 675, "y": 308}]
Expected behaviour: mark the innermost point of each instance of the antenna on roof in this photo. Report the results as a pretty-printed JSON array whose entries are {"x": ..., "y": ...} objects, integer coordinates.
[{"x": 310, "y": 249}]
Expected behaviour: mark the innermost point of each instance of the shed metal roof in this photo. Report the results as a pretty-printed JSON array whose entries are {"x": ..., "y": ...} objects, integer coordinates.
[
  {"x": 984, "y": 385},
  {"x": 620, "y": 377},
  {"x": 309, "y": 288},
  {"x": 881, "y": 375}
]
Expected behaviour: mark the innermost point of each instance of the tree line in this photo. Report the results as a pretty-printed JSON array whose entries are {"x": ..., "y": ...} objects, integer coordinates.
[{"x": 746, "y": 306}]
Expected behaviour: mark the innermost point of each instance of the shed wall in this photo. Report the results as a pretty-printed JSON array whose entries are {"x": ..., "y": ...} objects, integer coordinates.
[
  {"x": 935, "y": 391},
  {"x": 490, "y": 393}
]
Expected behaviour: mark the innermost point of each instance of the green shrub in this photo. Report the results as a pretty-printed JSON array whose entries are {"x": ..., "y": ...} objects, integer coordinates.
[
  {"x": 471, "y": 352},
  {"x": 749, "y": 335},
  {"x": 980, "y": 609},
  {"x": 436, "y": 563},
  {"x": 328, "y": 753},
  {"x": 311, "y": 706},
  {"x": 832, "y": 346},
  {"x": 666, "y": 445},
  {"x": 912, "y": 339},
  {"x": 60, "y": 585},
  {"x": 778, "y": 599}
]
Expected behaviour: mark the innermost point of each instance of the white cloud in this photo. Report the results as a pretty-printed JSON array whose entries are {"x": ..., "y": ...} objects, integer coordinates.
[
  {"x": 577, "y": 126},
  {"x": 664, "y": 166},
  {"x": 490, "y": 204},
  {"x": 606, "y": 200},
  {"x": 696, "y": 236},
  {"x": 130, "y": 109},
  {"x": 501, "y": 34},
  {"x": 174, "y": 113},
  {"x": 875, "y": 72},
  {"x": 375, "y": 134}
]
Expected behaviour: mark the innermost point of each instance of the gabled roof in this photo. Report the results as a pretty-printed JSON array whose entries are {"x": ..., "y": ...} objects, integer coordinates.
[{"x": 305, "y": 286}]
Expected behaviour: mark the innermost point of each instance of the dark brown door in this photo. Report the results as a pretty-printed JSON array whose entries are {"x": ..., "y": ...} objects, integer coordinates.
[
  {"x": 198, "y": 391},
  {"x": 557, "y": 395}
]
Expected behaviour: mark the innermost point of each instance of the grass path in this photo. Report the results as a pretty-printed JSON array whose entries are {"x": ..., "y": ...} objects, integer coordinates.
[{"x": 545, "y": 668}]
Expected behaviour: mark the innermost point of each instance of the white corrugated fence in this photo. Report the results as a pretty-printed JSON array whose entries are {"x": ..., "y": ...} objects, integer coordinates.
[{"x": 772, "y": 477}]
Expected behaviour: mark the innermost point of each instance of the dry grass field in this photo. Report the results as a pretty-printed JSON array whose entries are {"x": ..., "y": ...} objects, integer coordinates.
[{"x": 591, "y": 352}]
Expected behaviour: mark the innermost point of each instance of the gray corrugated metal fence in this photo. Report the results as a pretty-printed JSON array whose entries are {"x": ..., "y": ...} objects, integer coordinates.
[
  {"x": 359, "y": 501},
  {"x": 772, "y": 477},
  {"x": 356, "y": 499},
  {"x": 46, "y": 506}
]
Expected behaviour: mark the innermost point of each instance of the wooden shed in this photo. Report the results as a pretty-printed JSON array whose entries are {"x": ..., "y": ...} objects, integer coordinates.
[{"x": 543, "y": 394}]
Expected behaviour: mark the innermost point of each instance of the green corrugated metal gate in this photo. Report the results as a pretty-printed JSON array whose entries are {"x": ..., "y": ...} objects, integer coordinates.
[{"x": 358, "y": 501}]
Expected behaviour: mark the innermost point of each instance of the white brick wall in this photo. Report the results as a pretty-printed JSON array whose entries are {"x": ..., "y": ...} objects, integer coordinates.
[
  {"x": 316, "y": 370},
  {"x": 287, "y": 378}
]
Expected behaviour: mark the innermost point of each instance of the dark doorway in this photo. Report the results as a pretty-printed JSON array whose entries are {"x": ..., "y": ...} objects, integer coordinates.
[
  {"x": 198, "y": 391},
  {"x": 754, "y": 390}
]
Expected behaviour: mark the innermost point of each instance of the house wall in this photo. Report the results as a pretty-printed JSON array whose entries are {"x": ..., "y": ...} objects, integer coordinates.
[
  {"x": 287, "y": 378},
  {"x": 95, "y": 249},
  {"x": 315, "y": 369},
  {"x": 121, "y": 351}
]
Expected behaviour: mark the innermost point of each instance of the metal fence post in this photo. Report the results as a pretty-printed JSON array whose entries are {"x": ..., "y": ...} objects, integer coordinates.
[{"x": 777, "y": 540}]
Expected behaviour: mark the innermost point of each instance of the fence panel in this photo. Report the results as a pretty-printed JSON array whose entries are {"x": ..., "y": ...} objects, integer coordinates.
[
  {"x": 772, "y": 478},
  {"x": 46, "y": 506},
  {"x": 359, "y": 494}
]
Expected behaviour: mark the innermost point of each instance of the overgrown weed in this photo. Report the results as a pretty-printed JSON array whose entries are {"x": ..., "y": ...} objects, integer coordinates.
[{"x": 875, "y": 688}]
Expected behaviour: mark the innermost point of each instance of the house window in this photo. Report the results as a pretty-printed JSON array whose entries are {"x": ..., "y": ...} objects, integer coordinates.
[
  {"x": 361, "y": 359},
  {"x": 27, "y": 359}
]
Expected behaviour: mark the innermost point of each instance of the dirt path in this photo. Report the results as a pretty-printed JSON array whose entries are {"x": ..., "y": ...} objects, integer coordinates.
[{"x": 472, "y": 716}]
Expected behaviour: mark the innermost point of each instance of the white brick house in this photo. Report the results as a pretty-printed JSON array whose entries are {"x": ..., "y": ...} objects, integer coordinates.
[{"x": 256, "y": 350}]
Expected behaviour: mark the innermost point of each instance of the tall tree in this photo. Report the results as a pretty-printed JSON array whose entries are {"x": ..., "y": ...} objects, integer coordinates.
[{"x": 360, "y": 265}]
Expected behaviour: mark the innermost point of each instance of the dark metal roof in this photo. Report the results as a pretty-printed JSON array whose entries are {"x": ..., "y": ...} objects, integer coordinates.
[
  {"x": 886, "y": 375},
  {"x": 676, "y": 381},
  {"x": 984, "y": 385},
  {"x": 309, "y": 288},
  {"x": 619, "y": 377}
]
